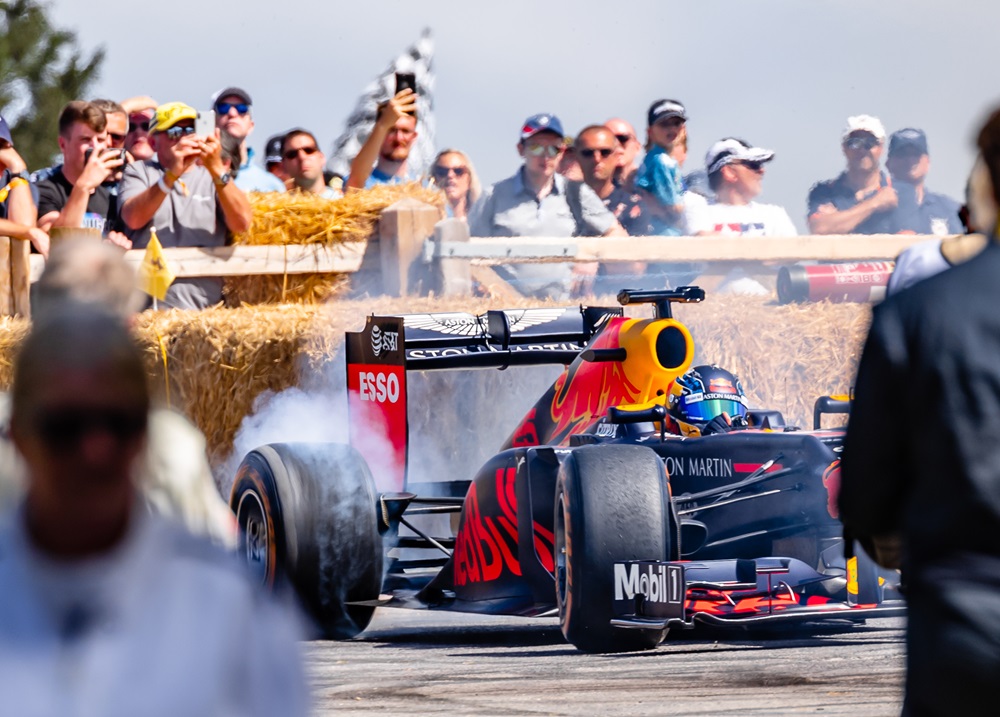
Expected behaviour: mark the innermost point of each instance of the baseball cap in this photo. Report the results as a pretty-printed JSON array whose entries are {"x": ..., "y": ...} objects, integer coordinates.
[
  {"x": 662, "y": 109},
  {"x": 865, "y": 123},
  {"x": 908, "y": 137},
  {"x": 541, "y": 123},
  {"x": 729, "y": 150},
  {"x": 272, "y": 150},
  {"x": 5, "y": 131},
  {"x": 169, "y": 114},
  {"x": 234, "y": 91}
]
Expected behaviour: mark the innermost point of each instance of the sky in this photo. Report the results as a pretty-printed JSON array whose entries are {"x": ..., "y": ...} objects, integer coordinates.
[{"x": 782, "y": 74}]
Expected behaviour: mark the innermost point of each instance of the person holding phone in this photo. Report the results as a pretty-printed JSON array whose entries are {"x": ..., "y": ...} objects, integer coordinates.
[
  {"x": 383, "y": 156},
  {"x": 187, "y": 194},
  {"x": 75, "y": 194}
]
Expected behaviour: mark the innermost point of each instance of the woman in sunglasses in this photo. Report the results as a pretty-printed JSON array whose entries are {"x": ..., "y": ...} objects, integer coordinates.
[{"x": 453, "y": 173}]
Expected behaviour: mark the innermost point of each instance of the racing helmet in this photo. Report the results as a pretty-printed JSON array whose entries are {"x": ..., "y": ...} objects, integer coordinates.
[{"x": 703, "y": 393}]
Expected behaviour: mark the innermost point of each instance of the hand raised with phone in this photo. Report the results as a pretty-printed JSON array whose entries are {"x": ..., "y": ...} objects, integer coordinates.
[{"x": 100, "y": 164}]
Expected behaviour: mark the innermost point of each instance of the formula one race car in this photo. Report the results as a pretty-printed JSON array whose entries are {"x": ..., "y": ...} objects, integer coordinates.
[{"x": 590, "y": 511}]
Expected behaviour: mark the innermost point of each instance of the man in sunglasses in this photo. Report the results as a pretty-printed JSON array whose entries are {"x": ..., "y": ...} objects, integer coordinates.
[
  {"x": 537, "y": 201},
  {"x": 140, "y": 111},
  {"x": 630, "y": 145},
  {"x": 234, "y": 114},
  {"x": 107, "y": 606},
  {"x": 735, "y": 171},
  {"x": 303, "y": 162},
  {"x": 77, "y": 194},
  {"x": 187, "y": 194},
  {"x": 861, "y": 200}
]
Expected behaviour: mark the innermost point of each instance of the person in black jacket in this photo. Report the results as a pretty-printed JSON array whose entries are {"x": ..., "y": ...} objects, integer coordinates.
[{"x": 930, "y": 481}]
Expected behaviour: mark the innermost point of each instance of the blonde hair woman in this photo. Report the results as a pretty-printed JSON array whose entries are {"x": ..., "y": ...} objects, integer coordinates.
[{"x": 453, "y": 173}]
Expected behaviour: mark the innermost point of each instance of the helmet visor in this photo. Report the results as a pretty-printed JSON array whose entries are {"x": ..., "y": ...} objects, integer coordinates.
[{"x": 708, "y": 409}]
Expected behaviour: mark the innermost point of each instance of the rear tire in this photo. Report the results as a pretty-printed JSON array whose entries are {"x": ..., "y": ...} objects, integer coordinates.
[
  {"x": 611, "y": 505},
  {"x": 307, "y": 513}
]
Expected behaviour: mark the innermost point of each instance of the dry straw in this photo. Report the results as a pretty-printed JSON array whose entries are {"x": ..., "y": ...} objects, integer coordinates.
[{"x": 299, "y": 218}]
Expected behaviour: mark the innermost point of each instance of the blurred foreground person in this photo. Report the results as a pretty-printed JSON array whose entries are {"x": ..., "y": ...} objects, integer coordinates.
[
  {"x": 936, "y": 484},
  {"x": 174, "y": 474},
  {"x": 106, "y": 608}
]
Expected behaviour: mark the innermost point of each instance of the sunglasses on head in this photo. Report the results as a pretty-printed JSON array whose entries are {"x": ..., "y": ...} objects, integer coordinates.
[
  {"x": 861, "y": 142},
  {"x": 144, "y": 126},
  {"x": 178, "y": 132},
  {"x": 624, "y": 138},
  {"x": 63, "y": 429},
  {"x": 605, "y": 152},
  {"x": 294, "y": 153},
  {"x": 443, "y": 172},
  {"x": 543, "y": 150},
  {"x": 241, "y": 108}
]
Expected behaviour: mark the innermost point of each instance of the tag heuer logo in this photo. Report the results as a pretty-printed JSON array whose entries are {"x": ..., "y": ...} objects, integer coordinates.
[{"x": 384, "y": 340}]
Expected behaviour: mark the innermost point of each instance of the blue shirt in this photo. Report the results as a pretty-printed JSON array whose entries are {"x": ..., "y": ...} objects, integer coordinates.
[
  {"x": 842, "y": 196},
  {"x": 252, "y": 178},
  {"x": 378, "y": 177},
  {"x": 660, "y": 175},
  {"x": 937, "y": 214}
]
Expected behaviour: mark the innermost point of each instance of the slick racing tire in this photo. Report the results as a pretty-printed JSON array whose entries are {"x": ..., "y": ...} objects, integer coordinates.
[
  {"x": 611, "y": 505},
  {"x": 307, "y": 514}
]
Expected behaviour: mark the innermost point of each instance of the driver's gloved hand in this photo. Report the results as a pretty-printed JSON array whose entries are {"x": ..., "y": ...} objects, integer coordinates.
[{"x": 719, "y": 424}]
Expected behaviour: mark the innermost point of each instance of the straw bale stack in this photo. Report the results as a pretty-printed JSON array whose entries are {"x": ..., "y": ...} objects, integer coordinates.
[{"x": 297, "y": 218}]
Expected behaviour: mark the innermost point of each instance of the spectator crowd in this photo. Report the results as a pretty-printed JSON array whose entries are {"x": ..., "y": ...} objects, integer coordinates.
[{"x": 132, "y": 167}]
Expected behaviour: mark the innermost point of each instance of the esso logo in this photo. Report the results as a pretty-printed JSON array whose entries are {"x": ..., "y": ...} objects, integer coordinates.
[{"x": 378, "y": 387}]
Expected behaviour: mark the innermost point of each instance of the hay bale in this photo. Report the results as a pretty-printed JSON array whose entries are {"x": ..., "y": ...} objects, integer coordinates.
[{"x": 297, "y": 218}]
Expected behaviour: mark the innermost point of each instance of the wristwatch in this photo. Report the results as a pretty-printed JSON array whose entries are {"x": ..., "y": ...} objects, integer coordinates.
[{"x": 223, "y": 179}]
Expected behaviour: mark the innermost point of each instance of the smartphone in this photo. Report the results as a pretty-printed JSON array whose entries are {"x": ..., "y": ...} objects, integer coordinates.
[
  {"x": 405, "y": 80},
  {"x": 204, "y": 125}
]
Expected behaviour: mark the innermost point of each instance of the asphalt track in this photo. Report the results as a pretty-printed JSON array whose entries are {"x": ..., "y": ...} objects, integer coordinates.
[{"x": 420, "y": 663}]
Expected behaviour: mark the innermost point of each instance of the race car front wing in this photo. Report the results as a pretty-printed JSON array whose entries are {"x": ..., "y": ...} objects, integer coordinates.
[{"x": 732, "y": 593}]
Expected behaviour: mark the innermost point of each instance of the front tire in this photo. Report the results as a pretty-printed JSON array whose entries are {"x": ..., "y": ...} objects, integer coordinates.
[
  {"x": 307, "y": 513},
  {"x": 612, "y": 505}
]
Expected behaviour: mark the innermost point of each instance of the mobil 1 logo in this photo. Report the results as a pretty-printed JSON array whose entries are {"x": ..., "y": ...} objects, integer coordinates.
[{"x": 649, "y": 588}]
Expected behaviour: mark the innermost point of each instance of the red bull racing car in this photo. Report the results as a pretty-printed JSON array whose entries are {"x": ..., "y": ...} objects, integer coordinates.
[{"x": 590, "y": 510}]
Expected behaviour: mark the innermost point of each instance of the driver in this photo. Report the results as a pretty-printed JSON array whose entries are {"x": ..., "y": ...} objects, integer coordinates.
[{"x": 706, "y": 400}]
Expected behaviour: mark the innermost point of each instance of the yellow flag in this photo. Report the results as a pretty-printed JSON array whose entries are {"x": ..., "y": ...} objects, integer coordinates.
[{"x": 155, "y": 276}]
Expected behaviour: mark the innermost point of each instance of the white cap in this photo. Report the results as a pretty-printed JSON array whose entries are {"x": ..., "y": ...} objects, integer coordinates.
[
  {"x": 729, "y": 150},
  {"x": 865, "y": 123}
]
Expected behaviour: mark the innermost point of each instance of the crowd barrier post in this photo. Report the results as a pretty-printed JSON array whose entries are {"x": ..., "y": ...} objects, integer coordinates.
[{"x": 402, "y": 229}]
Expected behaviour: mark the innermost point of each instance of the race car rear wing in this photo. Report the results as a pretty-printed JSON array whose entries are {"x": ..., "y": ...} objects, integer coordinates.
[{"x": 380, "y": 355}]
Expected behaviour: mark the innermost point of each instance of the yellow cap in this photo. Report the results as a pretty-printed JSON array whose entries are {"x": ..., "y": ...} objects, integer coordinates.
[{"x": 170, "y": 114}]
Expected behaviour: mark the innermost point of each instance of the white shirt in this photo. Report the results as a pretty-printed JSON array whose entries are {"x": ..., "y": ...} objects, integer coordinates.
[
  {"x": 166, "y": 624},
  {"x": 749, "y": 220}
]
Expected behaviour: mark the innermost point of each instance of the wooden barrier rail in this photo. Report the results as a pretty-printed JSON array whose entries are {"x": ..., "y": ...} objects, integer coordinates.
[{"x": 413, "y": 251}]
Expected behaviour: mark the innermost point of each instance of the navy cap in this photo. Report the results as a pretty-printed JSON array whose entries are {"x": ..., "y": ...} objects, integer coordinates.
[
  {"x": 541, "y": 123},
  {"x": 272, "y": 150},
  {"x": 661, "y": 109},
  {"x": 233, "y": 91},
  {"x": 908, "y": 138},
  {"x": 5, "y": 131}
]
